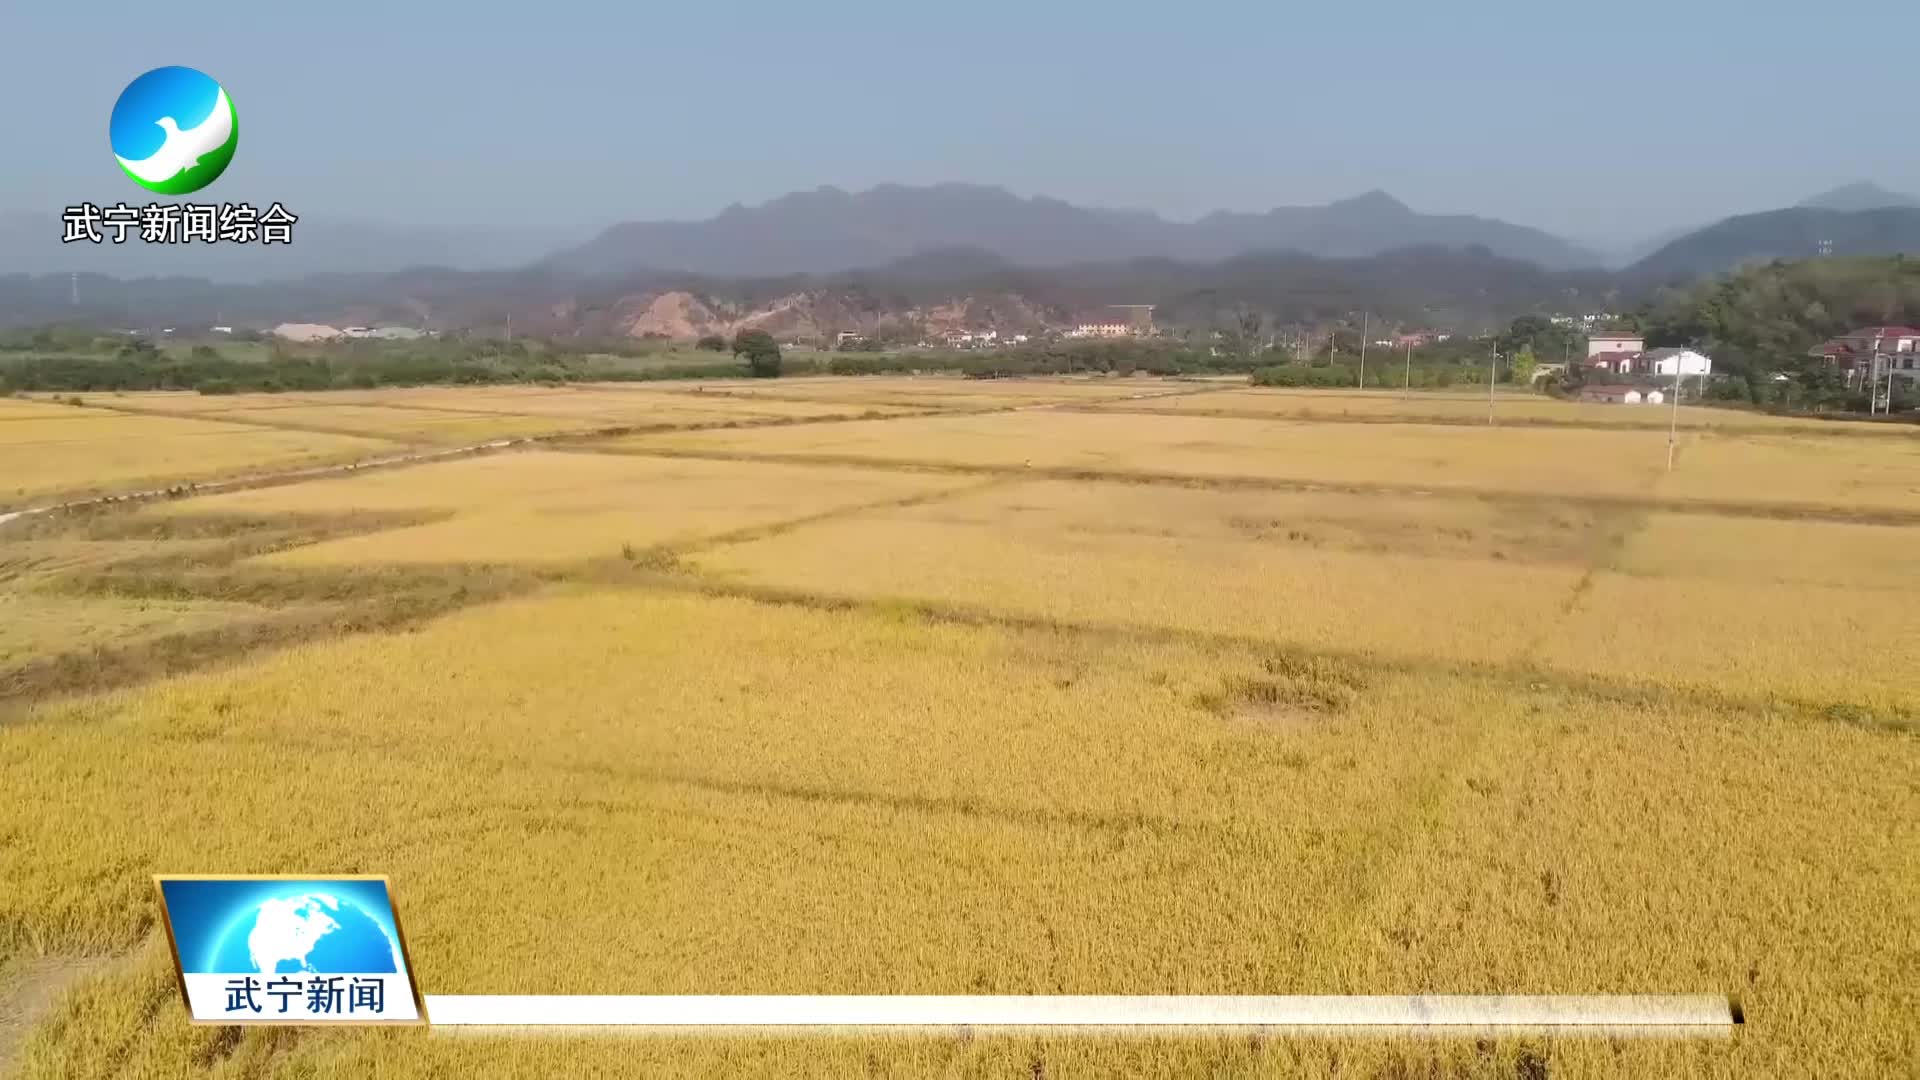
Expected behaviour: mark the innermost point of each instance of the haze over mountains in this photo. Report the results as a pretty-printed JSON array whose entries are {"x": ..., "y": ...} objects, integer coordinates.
[
  {"x": 825, "y": 230},
  {"x": 31, "y": 244},
  {"x": 1855, "y": 220},
  {"x": 829, "y": 230},
  {"x": 946, "y": 253},
  {"x": 1860, "y": 195},
  {"x": 925, "y": 294}
]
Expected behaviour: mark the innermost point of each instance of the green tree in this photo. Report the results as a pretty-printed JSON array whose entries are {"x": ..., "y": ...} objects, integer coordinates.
[
  {"x": 712, "y": 343},
  {"x": 1524, "y": 365},
  {"x": 760, "y": 351},
  {"x": 1545, "y": 337}
]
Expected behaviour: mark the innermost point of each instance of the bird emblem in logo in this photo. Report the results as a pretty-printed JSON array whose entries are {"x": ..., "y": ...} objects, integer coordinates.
[{"x": 174, "y": 130}]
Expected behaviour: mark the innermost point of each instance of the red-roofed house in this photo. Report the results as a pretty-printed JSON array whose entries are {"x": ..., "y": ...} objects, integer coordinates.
[
  {"x": 1895, "y": 339},
  {"x": 1835, "y": 351},
  {"x": 1868, "y": 340},
  {"x": 1853, "y": 352}
]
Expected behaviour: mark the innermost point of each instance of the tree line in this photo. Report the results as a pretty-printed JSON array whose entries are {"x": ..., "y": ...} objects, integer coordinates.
[{"x": 1759, "y": 323}]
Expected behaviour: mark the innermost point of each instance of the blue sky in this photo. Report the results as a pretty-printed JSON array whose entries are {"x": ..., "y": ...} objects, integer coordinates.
[{"x": 1595, "y": 120}]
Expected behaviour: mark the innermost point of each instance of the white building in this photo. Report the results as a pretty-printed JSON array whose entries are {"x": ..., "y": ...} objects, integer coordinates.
[
  {"x": 1611, "y": 341},
  {"x": 1612, "y": 395},
  {"x": 1667, "y": 361},
  {"x": 305, "y": 332},
  {"x": 1101, "y": 325}
]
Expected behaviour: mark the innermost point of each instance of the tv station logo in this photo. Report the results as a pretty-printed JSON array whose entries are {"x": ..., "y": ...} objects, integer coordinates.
[
  {"x": 174, "y": 131},
  {"x": 289, "y": 950}
]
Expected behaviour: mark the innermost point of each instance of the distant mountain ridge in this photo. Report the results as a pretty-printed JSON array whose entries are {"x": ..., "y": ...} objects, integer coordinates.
[
  {"x": 31, "y": 244},
  {"x": 931, "y": 292},
  {"x": 1860, "y": 195},
  {"x": 1795, "y": 233},
  {"x": 828, "y": 230}
]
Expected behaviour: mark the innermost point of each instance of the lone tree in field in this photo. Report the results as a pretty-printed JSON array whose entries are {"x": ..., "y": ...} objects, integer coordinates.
[{"x": 760, "y": 351}]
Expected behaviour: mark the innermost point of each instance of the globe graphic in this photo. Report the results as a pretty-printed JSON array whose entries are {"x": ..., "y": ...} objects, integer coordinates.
[{"x": 307, "y": 932}]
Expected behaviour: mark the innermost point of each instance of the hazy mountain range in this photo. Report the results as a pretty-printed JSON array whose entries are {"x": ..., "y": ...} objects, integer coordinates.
[
  {"x": 31, "y": 244},
  {"x": 1702, "y": 257},
  {"x": 1797, "y": 233},
  {"x": 1860, "y": 195},
  {"x": 927, "y": 293},
  {"x": 828, "y": 230},
  {"x": 949, "y": 253}
]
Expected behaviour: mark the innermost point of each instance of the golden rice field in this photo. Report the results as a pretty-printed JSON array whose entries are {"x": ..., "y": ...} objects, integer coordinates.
[
  {"x": 1442, "y": 406},
  {"x": 52, "y": 450},
  {"x": 606, "y": 403},
  {"x": 1036, "y": 700},
  {"x": 33, "y": 625},
  {"x": 22, "y": 408},
  {"x": 545, "y": 506},
  {"x": 99, "y": 451},
  {"x": 943, "y": 391},
  {"x": 1862, "y": 474},
  {"x": 409, "y": 425}
]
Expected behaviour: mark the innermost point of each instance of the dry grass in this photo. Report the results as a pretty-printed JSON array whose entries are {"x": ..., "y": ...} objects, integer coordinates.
[
  {"x": 100, "y": 451},
  {"x": 543, "y": 506},
  {"x": 986, "y": 811}
]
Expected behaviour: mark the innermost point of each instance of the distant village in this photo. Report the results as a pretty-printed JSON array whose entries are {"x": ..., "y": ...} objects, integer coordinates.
[
  {"x": 1618, "y": 366},
  {"x": 323, "y": 332}
]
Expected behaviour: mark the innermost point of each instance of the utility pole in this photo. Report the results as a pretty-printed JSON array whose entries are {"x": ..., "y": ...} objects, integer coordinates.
[
  {"x": 1493, "y": 363},
  {"x": 1406, "y": 386},
  {"x": 1366, "y": 331},
  {"x": 1673, "y": 424},
  {"x": 509, "y": 328},
  {"x": 76, "y": 289}
]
